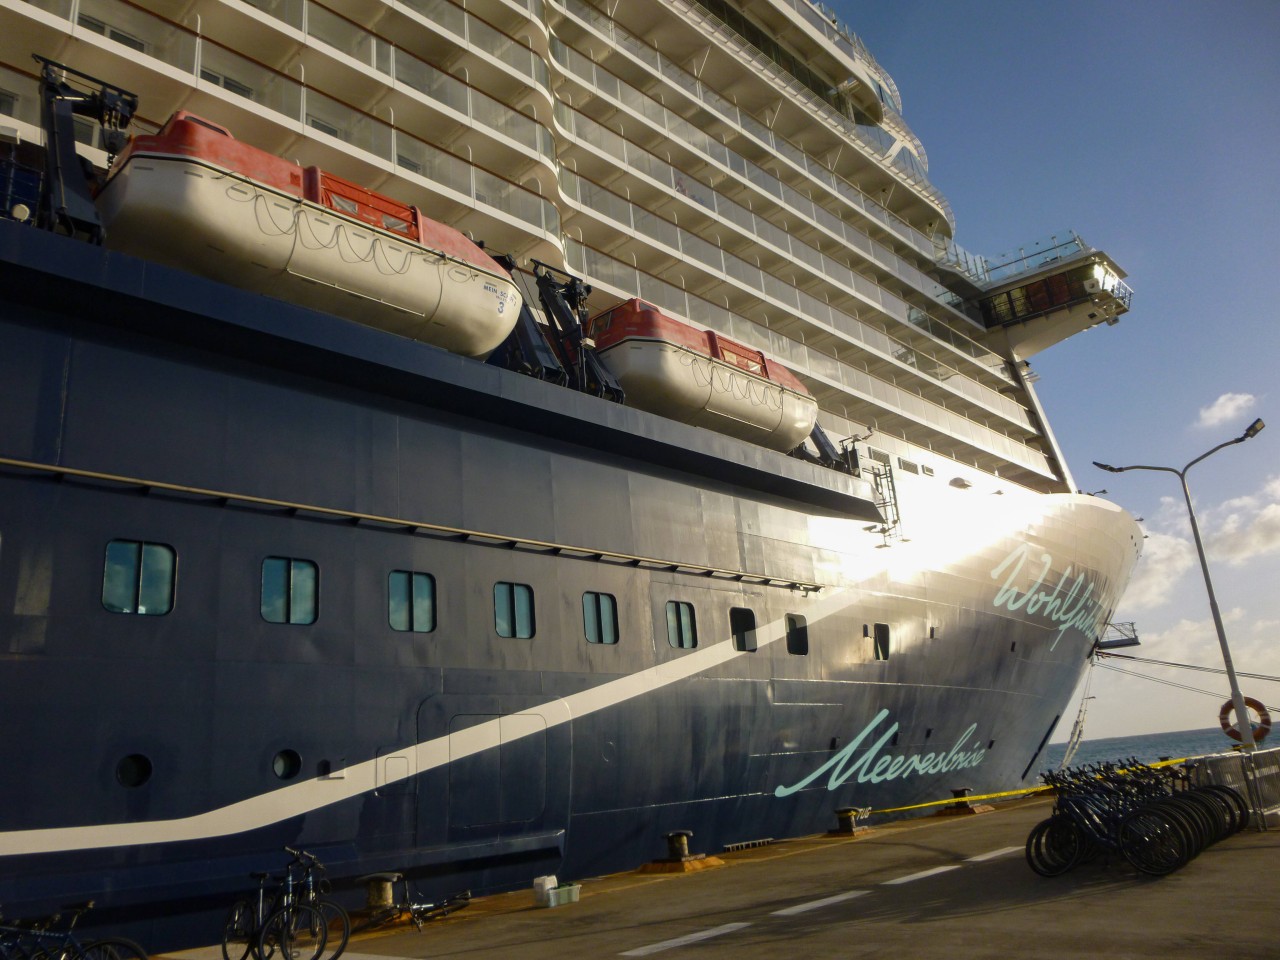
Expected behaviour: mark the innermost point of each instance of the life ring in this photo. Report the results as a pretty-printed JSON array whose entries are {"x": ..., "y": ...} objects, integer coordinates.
[{"x": 1260, "y": 729}]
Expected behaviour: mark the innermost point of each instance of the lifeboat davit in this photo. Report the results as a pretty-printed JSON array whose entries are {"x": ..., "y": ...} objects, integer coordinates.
[
  {"x": 194, "y": 197},
  {"x": 701, "y": 378}
]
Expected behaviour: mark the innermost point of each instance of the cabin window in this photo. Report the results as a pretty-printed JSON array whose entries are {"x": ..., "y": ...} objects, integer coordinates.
[
  {"x": 742, "y": 624},
  {"x": 881, "y": 641},
  {"x": 139, "y": 577},
  {"x": 8, "y": 103},
  {"x": 290, "y": 590},
  {"x": 600, "y": 617},
  {"x": 227, "y": 83},
  {"x": 411, "y": 601},
  {"x": 111, "y": 33},
  {"x": 682, "y": 627},
  {"x": 513, "y": 610},
  {"x": 316, "y": 123},
  {"x": 797, "y": 635}
]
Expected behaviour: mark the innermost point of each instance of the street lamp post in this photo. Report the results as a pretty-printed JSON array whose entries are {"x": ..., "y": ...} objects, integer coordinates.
[{"x": 1237, "y": 698}]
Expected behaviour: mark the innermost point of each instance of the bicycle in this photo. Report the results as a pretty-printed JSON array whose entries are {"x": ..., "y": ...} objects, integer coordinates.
[
  {"x": 314, "y": 885},
  {"x": 1154, "y": 819},
  {"x": 262, "y": 926},
  {"x": 418, "y": 913},
  {"x": 35, "y": 940}
]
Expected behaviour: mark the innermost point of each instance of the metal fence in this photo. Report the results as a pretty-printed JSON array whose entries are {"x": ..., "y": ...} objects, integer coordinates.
[{"x": 1256, "y": 776}]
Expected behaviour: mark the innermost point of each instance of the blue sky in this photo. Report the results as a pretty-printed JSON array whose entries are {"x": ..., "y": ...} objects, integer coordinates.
[{"x": 1153, "y": 130}]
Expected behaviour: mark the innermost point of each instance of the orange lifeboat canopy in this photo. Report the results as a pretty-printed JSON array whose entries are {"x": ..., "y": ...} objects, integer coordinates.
[{"x": 673, "y": 369}]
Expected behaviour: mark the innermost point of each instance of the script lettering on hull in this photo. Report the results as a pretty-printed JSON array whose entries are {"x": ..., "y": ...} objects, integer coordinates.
[
  {"x": 1080, "y": 607},
  {"x": 871, "y": 767}
]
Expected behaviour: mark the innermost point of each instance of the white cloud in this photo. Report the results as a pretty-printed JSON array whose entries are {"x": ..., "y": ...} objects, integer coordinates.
[
  {"x": 1164, "y": 560},
  {"x": 1242, "y": 538},
  {"x": 1225, "y": 409}
]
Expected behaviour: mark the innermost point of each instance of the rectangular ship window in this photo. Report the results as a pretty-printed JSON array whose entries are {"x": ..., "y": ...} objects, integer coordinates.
[
  {"x": 290, "y": 590},
  {"x": 882, "y": 641},
  {"x": 139, "y": 577},
  {"x": 411, "y": 601},
  {"x": 797, "y": 635},
  {"x": 742, "y": 624},
  {"x": 513, "y": 610},
  {"x": 682, "y": 627},
  {"x": 600, "y": 617}
]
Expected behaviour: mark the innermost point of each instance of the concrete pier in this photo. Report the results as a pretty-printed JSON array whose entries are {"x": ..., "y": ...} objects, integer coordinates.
[{"x": 938, "y": 887}]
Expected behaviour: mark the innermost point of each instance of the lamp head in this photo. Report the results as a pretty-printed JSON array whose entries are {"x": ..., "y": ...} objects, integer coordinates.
[
  {"x": 1253, "y": 430},
  {"x": 1107, "y": 467}
]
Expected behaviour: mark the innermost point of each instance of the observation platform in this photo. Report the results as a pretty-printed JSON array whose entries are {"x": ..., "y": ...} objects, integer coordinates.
[{"x": 935, "y": 888}]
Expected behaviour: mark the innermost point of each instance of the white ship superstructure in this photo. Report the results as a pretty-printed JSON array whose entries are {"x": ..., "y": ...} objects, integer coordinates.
[{"x": 750, "y": 173}]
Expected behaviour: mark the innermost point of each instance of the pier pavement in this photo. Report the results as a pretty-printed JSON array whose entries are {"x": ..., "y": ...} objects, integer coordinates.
[{"x": 949, "y": 888}]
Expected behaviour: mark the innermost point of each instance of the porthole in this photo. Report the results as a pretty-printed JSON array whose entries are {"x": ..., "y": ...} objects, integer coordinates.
[
  {"x": 133, "y": 770},
  {"x": 286, "y": 764}
]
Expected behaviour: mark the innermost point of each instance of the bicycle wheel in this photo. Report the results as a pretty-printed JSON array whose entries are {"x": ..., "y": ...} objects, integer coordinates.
[
  {"x": 297, "y": 931},
  {"x": 1053, "y": 846},
  {"x": 1233, "y": 799},
  {"x": 339, "y": 927},
  {"x": 238, "y": 933},
  {"x": 113, "y": 948},
  {"x": 1151, "y": 842}
]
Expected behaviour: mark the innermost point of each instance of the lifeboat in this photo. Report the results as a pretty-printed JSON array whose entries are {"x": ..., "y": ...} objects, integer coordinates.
[
  {"x": 701, "y": 378},
  {"x": 194, "y": 197}
]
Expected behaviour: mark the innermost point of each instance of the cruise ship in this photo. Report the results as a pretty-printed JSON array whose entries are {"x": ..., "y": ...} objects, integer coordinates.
[{"x": 475, "y": 440}]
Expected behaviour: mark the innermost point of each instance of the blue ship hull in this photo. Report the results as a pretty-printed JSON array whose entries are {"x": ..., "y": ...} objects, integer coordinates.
[{"x": 153, "y": 761}]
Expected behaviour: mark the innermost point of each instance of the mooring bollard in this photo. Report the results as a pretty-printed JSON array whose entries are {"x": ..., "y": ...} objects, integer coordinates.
[
  {"x": 678, "y": 844},
  {"x": 379, "y": 890},
  {"x": 846, "y": 820},
  {"x": 960, "y": 793}
]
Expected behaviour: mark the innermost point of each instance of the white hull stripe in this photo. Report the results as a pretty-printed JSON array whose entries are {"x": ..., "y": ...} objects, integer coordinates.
[
  {"x": 278, "y": 805},
  {"x": 268, "y": 808}
]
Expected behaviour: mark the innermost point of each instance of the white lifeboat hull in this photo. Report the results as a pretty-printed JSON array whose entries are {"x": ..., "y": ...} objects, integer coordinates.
[
  {"x": 189, "y": 214},
  {"x": 670, "y": 368}
]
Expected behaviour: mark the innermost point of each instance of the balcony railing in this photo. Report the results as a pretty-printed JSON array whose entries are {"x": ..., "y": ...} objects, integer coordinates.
[
  {"x": 606, "y": 85},
  {"x": 207, "y": 61},
  {"x": 634, "y": 218},
  {"x": 625, "y": 279}
]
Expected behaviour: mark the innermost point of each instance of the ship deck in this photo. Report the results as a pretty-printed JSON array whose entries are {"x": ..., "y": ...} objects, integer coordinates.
[{"x": 938, "y": 887}]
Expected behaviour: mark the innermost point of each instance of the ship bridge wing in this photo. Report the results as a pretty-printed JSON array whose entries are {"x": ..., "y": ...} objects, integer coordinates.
[{"x": 1042, "y": 298}]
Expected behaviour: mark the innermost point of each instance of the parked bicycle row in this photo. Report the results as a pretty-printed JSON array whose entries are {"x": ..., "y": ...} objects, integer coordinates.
[
  {"x": 53, "y": 938},
  {"x": 293, "y": 914},
  {"x": 1152, "y": 818}
]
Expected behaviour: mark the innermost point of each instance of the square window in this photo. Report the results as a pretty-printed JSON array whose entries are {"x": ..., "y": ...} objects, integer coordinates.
[
  {"x": 290, "y": 590},
  {"x": 742, "y": 624},
  {"x": 513, "y": 610},
  {"x": 411, "y": 601},
  {"x": 882, "y": 641},
  {"x": 600, "y": 617},
  {"x": 682, "y": 628},
  {"x": 797, "y": 635},
  {"x": 139, "y": 577}
]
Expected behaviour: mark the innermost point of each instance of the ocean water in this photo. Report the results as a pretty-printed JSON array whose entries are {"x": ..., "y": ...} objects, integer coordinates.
[{"x": 1147, "y": 748}]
